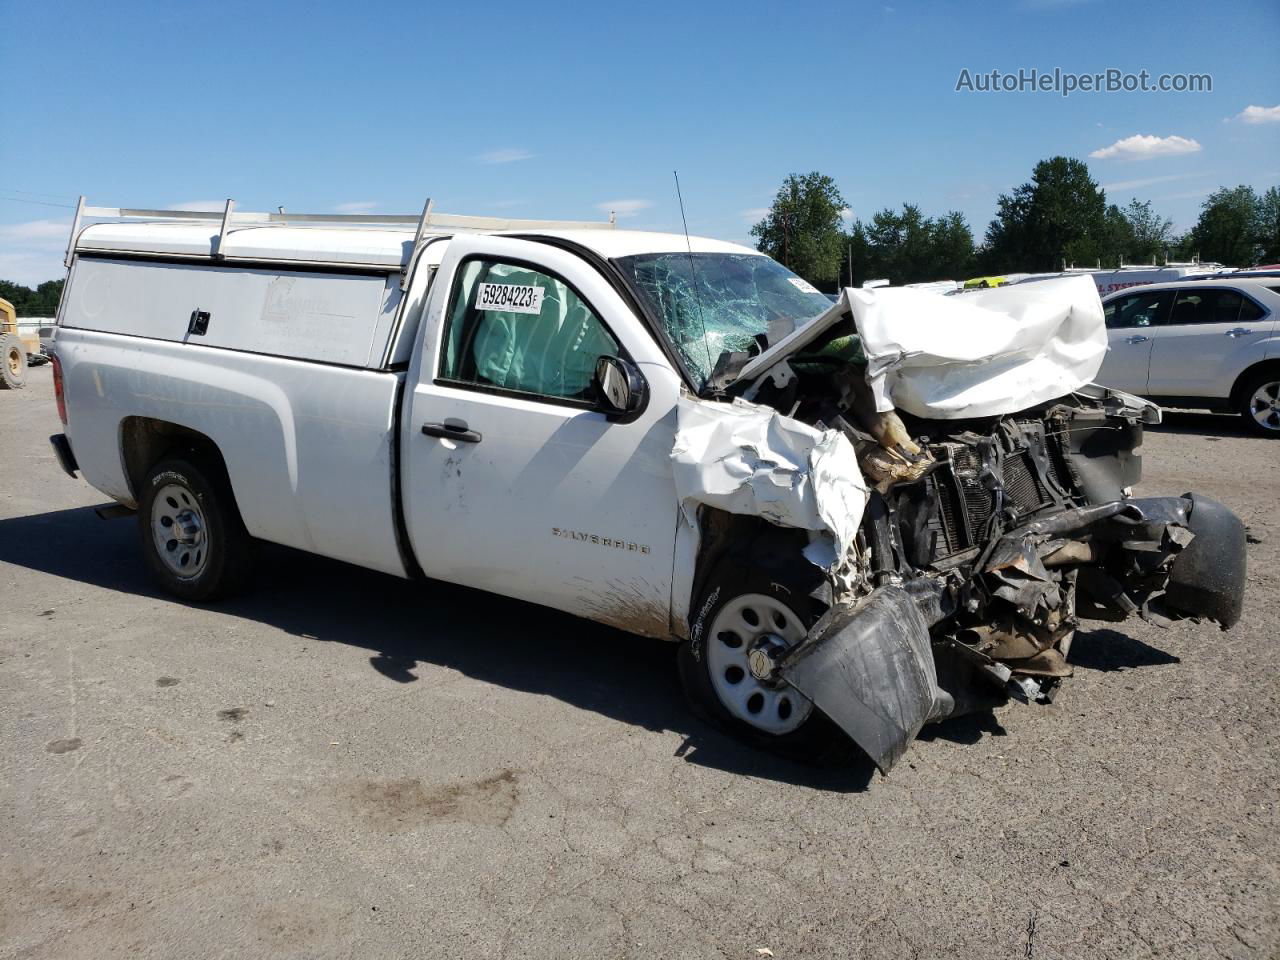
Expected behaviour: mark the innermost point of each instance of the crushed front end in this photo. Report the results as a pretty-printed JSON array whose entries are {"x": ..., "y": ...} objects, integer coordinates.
[{"x": 983, "y": 539}]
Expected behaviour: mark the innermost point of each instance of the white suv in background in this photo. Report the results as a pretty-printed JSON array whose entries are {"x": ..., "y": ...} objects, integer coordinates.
[{"x": 1209, "y": 344}]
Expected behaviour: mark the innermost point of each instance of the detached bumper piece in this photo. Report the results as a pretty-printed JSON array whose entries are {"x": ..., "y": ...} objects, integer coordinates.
[
  {"x": 870, "y": 669},
  {"x": 903, "y": 656},
  {"x": 62, "y": 449}
]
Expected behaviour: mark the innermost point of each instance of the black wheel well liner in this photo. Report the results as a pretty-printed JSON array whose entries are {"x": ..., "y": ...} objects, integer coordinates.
[
  {"x": 145, "y": 441},
  {"x": 752, "y": 540}
]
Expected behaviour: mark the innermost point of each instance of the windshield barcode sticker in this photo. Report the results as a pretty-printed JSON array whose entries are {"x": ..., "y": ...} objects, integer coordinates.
[
  {"x": 803, "y": 285},
  {"x": 509, "y": 298}
]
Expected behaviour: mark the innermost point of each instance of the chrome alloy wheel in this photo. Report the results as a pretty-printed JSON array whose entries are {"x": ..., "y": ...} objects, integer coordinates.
[
  {"x": 748, "y": 635},
  {"x": 179, "y": 531},
  {"x": 1265, "y": 405}
]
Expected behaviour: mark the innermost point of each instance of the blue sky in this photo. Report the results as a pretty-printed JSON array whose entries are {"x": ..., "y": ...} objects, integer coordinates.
[{"x": 569, "y": 110}]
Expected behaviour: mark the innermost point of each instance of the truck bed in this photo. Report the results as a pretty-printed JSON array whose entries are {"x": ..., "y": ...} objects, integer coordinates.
[{"x": 309, "y": 446}]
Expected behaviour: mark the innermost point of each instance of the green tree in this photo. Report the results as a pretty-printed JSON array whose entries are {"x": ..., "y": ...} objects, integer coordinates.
[
  {"x": 1151, "y": 234},
  {"x": 908, "y": 247},
  {"x": 40, "y": 302},
  {"x": 1117, "y": 237},
  {"x": 1228, "y": 230},
  {"x": 1058, "y": 217},
  {"x": 802, "y": 228},
  {"x": 1269, "y": 225}
]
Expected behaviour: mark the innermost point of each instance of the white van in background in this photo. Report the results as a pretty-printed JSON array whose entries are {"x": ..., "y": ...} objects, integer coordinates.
[{"x": 1110, "y": 281}]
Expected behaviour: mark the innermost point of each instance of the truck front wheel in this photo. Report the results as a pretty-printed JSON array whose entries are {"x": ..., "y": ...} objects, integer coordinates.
[
  {"x": 746, "y": 617},
  {"x": 191, "y": 532}
]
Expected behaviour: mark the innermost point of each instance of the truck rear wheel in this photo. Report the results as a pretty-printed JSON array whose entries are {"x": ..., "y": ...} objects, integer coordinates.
[
  {"x": 748, "y": 615},
  {"x": 13, "y": 363},
  {"x": 192, "y": 535}
]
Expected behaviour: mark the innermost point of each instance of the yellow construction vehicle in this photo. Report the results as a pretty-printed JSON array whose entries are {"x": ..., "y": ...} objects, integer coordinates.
[{"x": 14, "y": 348}]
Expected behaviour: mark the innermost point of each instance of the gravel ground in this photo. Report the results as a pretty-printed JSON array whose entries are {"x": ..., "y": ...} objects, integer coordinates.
[{"x": 345, "y": 765}]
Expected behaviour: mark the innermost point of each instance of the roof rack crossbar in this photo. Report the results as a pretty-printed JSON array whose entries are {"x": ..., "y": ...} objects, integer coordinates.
[
  {"x": 427, "y": 223},
  {"x": 428, "y": 220}
]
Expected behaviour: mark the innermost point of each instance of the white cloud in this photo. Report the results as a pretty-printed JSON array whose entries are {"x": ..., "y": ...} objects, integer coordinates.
[
  {"x": 1189, "y": 195},
  {"x": 31, "y": 252},
  {"x": 624, "y": 208},
  {"x": 506, "y": 155},
  {"x": 31, "y": 269},
  {"x": 201, "y": 206},
  {"x": 1253, "y": 114},
  {"x": 755, "y": 214},
  {"x": 1145, "y": 145},
  {"x": 36, "y": 233},
  {"x": 357, "y": 206},
  {"x": 1144, "y": 182}
]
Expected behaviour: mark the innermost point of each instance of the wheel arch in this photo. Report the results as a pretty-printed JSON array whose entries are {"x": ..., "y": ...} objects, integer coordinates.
[
  {"x": 145, "y": 441},
  {"x": 749, "y": 539},
  {"x": 1271, "y": 365}
]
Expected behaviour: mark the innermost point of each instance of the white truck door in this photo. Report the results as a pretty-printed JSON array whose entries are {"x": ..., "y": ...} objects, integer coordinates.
[
  {"x": 1212, "y": 334},
  {"x": 1132, "y": 322},
  {"x": 531, "y": 491}
]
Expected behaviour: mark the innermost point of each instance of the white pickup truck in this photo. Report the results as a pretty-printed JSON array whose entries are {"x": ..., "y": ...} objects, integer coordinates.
[{"x": 855, "y": 517}]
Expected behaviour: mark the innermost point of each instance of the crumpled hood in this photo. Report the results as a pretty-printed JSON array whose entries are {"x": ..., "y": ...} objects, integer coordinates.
[{"x": 976, "y": 354}]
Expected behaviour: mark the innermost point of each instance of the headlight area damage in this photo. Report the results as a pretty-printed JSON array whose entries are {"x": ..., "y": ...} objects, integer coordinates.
[{"x": 965, "y": 488}]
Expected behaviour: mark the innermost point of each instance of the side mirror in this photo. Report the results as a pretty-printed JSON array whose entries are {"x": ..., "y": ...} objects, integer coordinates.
[{"x": 621, "y": 391}]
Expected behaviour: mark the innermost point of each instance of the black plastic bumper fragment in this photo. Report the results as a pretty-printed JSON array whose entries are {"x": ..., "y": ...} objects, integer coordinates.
[
  {"x": 870, "y": 669},
  {"x": 66, "y": 459},
  {"x": 1208, "y": 576}
]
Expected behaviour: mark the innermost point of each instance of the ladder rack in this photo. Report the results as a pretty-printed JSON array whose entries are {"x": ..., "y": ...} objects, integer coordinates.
[{"x": 427, "y": 223}]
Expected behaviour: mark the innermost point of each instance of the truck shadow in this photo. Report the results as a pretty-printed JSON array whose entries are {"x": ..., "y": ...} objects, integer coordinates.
[
  {"x": 1106, "y": 650},
  {"x": 405, "y": 625}
]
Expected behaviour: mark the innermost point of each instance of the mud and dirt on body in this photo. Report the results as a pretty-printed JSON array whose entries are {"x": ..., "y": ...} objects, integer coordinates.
[{"x": 406, "y": 804}]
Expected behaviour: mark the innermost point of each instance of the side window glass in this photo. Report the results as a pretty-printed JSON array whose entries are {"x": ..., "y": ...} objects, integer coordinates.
[
  {"x": 1137, "y": 309},
  {"x": 1226, "y": 306},
  {"x": 1190, "y": 307},
  {"x": 1249, "y": 311},
  {"x": 515, "y": 328},
  {"x": 1206, "y": 306}
]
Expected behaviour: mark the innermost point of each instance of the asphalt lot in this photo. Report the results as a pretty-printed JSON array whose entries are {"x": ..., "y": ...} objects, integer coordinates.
[{"x": 345, "y": 765}]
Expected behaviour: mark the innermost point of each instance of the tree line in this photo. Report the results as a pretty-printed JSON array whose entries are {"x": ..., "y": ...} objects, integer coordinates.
[
  {"x": 1060, "y": 217},
  {"x": 40, "y": 302}
]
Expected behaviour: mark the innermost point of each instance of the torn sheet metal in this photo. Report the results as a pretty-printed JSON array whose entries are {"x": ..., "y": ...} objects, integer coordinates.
[
  {"x": 981, "y": 354},
  {"x": 751, "y": 460}
]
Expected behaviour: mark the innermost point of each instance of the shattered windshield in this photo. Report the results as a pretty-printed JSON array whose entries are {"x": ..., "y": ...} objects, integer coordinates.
[{"x": 715, "y": 303}]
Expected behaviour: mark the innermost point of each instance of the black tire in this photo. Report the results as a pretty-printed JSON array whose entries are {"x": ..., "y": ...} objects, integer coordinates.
[
  {"x": 1249, "y": 403},
  {"x": 221, "y": 552},
  {"x": 13, "y": 363},
  {"x": 791, "y": 580}
]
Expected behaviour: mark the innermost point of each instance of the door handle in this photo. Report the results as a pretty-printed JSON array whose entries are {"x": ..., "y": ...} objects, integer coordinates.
[
  {"x": 1136, "y": 338},
  {"x": 452, "y": 430},
  {"x": 1239, "y": 332}
]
